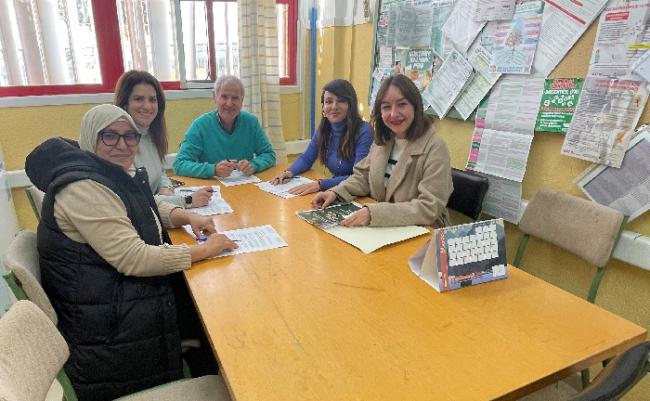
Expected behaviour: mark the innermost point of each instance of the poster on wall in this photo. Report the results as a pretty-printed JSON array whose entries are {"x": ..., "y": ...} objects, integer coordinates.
[
  {"x": 419, "y": 66},
  {"x": 559, "y": 101}
]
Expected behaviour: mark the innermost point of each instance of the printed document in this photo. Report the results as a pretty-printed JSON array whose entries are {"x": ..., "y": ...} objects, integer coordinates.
[
  {"x": 503, "y": 199},
  {"x": 563, "y": 23},
  {"x": 490, "y": 10},
  {"x": 504, "y": 154},
  {"x": 236, "y": 177},
  {"x": 217, "y": 204},
  {"x": 448, "y": 82},
  {"x": 282, "y": 190},
  {"x": 604, "y": 120},
  {"x": 559, "y": 101},
  {"x": 250, "y": 239},
  {"x": 515, "y": 41},
  {"x": 367, "y": 239},
  {"x": 460, "y": 28},
  {"x": 626, "y": 189},
  {"x": 622, "y": 37},
  {"x": 480, "y": 84},
  {"x": 514, "y": 103}
]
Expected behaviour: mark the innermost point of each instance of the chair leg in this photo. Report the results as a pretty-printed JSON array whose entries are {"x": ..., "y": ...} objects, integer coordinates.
[
  {"x": 68, "y": 391},
  {"x": 520, "y": 250},
  {"x": 585, "y": 378},
  {"x": 595, "y": 283}
]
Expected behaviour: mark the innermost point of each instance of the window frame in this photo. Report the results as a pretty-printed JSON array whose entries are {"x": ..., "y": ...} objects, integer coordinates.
[{"x": 109, "y": 50}]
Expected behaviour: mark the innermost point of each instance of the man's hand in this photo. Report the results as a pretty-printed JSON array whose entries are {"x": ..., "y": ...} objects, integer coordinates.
[
  {"x": 245, "y": 167},
  {"x": 224, "y": 168}
]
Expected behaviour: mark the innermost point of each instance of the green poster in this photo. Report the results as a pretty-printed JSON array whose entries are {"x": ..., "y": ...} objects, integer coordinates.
[{"x": 558, "y": 104}]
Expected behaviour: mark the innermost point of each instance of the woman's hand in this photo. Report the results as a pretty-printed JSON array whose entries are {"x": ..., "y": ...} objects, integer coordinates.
[
  {"x": 280, "y": 178},
  {"x": 305, "y": 189},
  {"x": 201, "y": 197},
  {"x": 201, "y": 225},
  {"x": 359, "y": 218},
  {"x": 211, "y": 247},
  {"x": 166, "y": 191},
  {"x": 323, "y": 199}
]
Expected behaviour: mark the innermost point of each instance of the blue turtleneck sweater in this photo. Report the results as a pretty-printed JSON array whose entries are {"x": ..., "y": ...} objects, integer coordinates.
[{"x": 340, "y": 169}]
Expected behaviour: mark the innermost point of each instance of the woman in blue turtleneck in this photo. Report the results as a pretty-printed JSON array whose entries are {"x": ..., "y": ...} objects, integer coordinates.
[{"x": 341, "y": 141}]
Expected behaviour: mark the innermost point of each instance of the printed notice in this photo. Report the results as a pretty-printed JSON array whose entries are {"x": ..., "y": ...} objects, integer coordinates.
[
  {"x": 559, "y": 101},
  {"x": 282, "y": 190},
  {"x": 236, "y": 177},
  {"x": 448, "y": 82}
]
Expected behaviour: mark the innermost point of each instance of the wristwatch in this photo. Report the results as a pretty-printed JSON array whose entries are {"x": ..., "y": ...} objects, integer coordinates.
[{"x": 188, "y": 200}]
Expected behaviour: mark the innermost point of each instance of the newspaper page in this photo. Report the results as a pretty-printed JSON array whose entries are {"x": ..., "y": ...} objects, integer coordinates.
[
  {"x": 604, "y": 120},
  {"x": 447, "y": 83},
  {"x": 385, "y": 57},
  {"x": 460, "y": 27},
  {"x": 441, "y": 11},
  {"x": 514, "y": 103},
  {"x": 563, "y": 23},
  {"x": 490, "y": 10},
  {"x": 504, "y": 154},
  {"x": 626, "y": 189},
  {"x": 559, "y": 101},
  {"x": 503, "y": 199},
  {"x": 480, "y": 84},
  {"x": 486, "y": 38},
  {"x": 622, "y": 37},
  {"x": 515, "y": 41}
]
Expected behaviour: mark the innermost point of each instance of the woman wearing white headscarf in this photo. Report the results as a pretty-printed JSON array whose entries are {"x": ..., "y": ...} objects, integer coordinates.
[{"x": 107, "y": 263}]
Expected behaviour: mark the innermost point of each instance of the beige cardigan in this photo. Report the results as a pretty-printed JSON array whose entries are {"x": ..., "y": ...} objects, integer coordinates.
[{"x": 418, "y": 188}]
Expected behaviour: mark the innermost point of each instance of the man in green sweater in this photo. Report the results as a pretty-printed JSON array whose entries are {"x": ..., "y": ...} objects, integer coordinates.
[{"x": 226, "y": 139}]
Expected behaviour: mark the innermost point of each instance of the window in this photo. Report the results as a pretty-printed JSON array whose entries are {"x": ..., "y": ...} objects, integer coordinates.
[{"x": 83, "y": 46}]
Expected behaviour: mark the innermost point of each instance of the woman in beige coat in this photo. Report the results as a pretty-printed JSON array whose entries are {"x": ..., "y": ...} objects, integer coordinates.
[{"x": 407, "y": 171}]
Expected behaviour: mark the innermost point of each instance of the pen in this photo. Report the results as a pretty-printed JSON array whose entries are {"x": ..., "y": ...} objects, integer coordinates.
[{"x": 289, "y": 178}]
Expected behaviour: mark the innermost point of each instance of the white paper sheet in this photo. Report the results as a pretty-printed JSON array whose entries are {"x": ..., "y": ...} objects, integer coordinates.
[
  {"x": 516, "y": 40},
  {"x": 480, "y": 84},
  {"x": 250, "y": 239},
  {"x": 563, "y": 22},
  {"x": 447, "y": 83},
  {"x": 607, "y": 113},
  {"x": 504, "y": 154},
  {"x": 514, "y": 103},
  {"x": 236, "y": 177},
  {"x": 622, "y": 37},
  {"x": 489, "y": 10},
  {"x": 503, "y": 199},
  {"x": 460, "y": 28},
  {"x": 282, "y": 190},
  {"x": 369, "y": 239},
  {"x": 441, "y": 11},
  {"x": 217, "y": 204},
  {"x": 626, "y": 189}
]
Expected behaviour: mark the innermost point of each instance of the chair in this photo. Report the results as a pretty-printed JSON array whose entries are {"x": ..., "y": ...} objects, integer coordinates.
[
  {"x": 619, "y": 376},
  {"x": 35, "y": 197},
  {"x": 585, "y": 228},
  {"x": 33, "y": 351},
  {"x": 24, "y": 273},
  {"x": 469, "y": 190}
]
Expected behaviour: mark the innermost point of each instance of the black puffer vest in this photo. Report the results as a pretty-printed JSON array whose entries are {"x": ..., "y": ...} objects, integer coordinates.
[{"x": 122, "y": 330}]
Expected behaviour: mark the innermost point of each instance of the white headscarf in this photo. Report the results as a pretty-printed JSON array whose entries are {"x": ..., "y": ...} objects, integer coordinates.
[{"x": 98, "y": 118}]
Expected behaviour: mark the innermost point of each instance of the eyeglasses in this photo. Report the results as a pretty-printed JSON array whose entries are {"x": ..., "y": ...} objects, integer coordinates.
[{"x": 112, "y": 138}]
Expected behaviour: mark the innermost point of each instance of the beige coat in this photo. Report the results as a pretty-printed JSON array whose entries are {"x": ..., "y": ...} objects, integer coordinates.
[{"x": 418, "y": 188}]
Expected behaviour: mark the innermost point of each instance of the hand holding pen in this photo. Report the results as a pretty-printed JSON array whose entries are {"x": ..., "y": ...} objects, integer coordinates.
[
  {"x": 201, "y": 197},
  {"x": 216, "y": 243},
  {"x": 225, "y": 167},
  {"x": 283, "y": 177}
]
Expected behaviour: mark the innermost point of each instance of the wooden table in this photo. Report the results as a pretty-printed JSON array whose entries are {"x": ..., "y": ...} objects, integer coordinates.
[{"x": 319, "y": 320}]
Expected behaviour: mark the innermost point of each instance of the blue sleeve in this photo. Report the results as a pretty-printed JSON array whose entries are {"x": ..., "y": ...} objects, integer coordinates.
[
  {"x": 264, "y": 153},
  {"x": 361, "y": 149},
  {"x": 307, "y": 159},
  {"x": 187, "y": 159}
]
